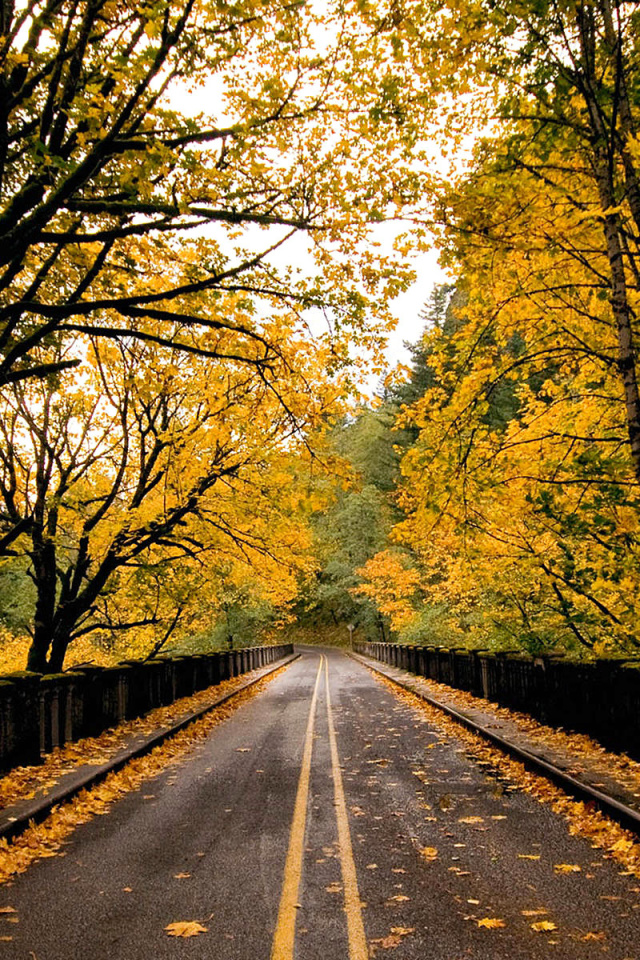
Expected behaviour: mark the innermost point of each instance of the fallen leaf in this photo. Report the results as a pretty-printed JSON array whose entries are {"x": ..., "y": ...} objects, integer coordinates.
[
  {"x": 181, "y": 876},
  {"x": 392, "y": 940},
  {"x": 185, "y": 928},
  {"x": 567, "y": 868},
  {"x": 595, "y": 935},
  {"x": 8, "y": 910},
  {"x": 623, "y": 845},
  {"x": 540, "y": 925},
  {"x": 471, "y": 820},
  {"x": 429, "y": 853},
  {"x": 399, "y": 897},
  {"x": 528, "y": 856},
  {"x": 491, "y": 923},
  {"x": 533, "y": 913}
]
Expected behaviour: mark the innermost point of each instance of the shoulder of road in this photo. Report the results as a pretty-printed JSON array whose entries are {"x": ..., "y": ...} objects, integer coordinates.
[
  {"x": 15, "y": 817},
  {"x": 577, "y": 763}
]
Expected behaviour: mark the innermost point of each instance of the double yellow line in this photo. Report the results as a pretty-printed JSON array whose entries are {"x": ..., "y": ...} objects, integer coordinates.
[{"x": 285, "y": 933}]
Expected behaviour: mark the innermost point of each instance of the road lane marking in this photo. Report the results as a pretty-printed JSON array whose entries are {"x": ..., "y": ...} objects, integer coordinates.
[
  {"x": 358, "y": 949},
  {"x": 285, "y": 933}
]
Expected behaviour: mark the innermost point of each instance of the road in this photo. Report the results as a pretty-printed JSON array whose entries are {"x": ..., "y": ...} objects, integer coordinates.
[{"x": 324, "y": 819}]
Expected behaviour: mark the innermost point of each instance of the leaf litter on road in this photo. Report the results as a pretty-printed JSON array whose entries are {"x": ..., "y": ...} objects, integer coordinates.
[
  {"x": 583, "y": 819},
  {"x": 45, "y": 839}
]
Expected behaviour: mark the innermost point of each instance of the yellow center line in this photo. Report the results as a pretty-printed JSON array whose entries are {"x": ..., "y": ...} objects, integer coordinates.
[
  {"x": 358, "y": 949},
  {"x": 285, "y": 933}
]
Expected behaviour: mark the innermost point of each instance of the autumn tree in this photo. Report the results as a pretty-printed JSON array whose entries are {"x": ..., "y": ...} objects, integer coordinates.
[
  {"x": 146, "y": 465},
  {"x": 103, "y": 162},
  {"x": 520, "y": 492},
  {"x": 566, "y": 102}
]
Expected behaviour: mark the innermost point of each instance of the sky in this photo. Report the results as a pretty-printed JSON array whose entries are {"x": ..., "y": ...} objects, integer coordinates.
[{"x": 407, "y": 307}]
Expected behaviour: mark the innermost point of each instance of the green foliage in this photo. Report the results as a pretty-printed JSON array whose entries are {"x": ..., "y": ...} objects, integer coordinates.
[
  {"x": 17, "y": 595},
  {"x": 240, "y": 623},
  {"x": 353, "y": 525}
]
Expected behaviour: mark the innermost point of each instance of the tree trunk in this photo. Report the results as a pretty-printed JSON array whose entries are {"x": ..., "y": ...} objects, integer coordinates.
[
  {"x": 59, "y": 647},
  {"x": 605, "y": 152},
  {"x": 44, "y": 575},
  {"x": 627, "y": 362},
  {"x": 37, "y": 657}
]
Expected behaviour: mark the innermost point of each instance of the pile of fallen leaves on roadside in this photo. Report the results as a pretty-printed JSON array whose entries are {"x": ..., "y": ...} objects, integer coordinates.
[
  {"x": 584, "y": 819},
  {"x": 45, "y": 839},
  {"x": 23, "y": 783}
]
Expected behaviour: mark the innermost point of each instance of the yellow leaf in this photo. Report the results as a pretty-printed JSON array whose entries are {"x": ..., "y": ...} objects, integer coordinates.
[
  {"x": 185, "y": 928},
  {"x": 181, "y": 876},
  {"x": 594, "y": 935},
  {"x": 429, "y": 853},
  {"x": 491, "y": 923},
  {"x": 540, "y": 925},
  {"x": 622, "y": 846},
  {"x": 567, "y": 868},
  {"x": 528, "y": 856}
]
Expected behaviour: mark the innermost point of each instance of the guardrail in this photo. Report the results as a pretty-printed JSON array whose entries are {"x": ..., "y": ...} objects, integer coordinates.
[
  {"x": 39, "y": 712},
  {"x": 600, "y": 698}
]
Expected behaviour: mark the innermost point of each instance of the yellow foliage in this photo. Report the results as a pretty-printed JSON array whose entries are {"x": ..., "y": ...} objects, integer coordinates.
[{"x": 392, "y": 584}]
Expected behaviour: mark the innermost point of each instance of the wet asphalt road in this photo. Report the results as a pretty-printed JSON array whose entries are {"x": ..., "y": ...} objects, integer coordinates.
[{"x": 226, "y": 817}]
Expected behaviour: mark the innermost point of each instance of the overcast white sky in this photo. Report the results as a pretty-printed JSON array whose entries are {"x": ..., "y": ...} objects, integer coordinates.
[{"x": 408, "y": 306}]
